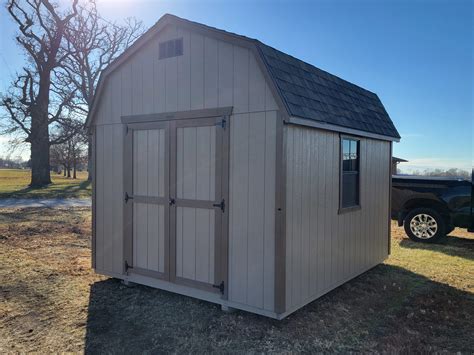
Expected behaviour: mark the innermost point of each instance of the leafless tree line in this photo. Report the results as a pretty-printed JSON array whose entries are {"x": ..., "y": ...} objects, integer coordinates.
[{"x": 65, "y": 51}]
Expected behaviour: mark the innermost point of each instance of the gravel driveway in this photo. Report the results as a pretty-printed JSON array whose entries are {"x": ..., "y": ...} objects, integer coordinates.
[{"x": 51, "y": 203}]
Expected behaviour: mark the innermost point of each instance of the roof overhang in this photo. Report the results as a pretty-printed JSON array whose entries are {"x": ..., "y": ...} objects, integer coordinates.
[{"x": 329, "y": 127}]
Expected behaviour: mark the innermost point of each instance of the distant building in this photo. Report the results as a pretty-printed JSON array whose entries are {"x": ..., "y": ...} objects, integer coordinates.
[{"x": 395, "y": 162}]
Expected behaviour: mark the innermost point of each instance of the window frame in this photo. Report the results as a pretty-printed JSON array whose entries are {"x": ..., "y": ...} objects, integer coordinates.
[{"x": 358, "y": 206}]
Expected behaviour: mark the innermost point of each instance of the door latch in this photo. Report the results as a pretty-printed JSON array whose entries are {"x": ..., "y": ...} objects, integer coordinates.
[
  {"x": 220, "y": 205},
  {"x": 220, "y": 287},
  {"x": 128, "y": 197},
  {"x": 171, "y": 201}
]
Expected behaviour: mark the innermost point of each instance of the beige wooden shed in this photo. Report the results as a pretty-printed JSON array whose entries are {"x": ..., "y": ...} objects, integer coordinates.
[{"x": 231, "y": 172}]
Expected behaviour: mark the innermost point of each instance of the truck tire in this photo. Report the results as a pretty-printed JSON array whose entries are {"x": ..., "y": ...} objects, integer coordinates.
[{"x": 425, "y": 225}]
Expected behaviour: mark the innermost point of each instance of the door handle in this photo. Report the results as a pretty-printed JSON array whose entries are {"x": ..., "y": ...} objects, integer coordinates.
[{"x": 171, "y": 201}]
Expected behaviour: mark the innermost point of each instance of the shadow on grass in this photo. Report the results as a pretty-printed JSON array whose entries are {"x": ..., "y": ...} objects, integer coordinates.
[
  {"x": 385, "y": 309},
  {"x": 52, "y": 190},
  {"x": 451, "y": 245}
]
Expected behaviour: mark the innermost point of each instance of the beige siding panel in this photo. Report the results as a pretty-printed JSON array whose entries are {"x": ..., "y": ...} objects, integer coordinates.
[
  {"x": 100, "y": 189},
  {"x": 256, "y": 212},
  {"x": 126, "y": 88},
  {"x": 269, "y": 216},
  {"x": 197, "y": 71},
  {"x": 117, "y": 200},
  {"x": 256, "y": 86},
  {"x": 184, "y": 72},
  {"x": 324, "y": 248},
  {"x": 241, "y": 79},
  {"x": 108, "y": 196},
  {"x": 171, "y": 78},
  {"x": 159, "y": 73},
  {"x": 225, "y": 77},
  {"x": 149, "y": 57},
  {"x": 137, "y": 83},
  {"x": 239, "y": 177},
  {"x": 210, "y": 72},
  {"x": 251, "y": 224}
]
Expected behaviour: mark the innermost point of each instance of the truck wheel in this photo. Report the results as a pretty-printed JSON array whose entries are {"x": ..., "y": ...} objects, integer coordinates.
[{"x": 425, "y": 225}]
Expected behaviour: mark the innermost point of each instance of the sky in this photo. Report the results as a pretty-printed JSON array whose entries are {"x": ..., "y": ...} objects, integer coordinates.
[{"x": 417, "y": 55}]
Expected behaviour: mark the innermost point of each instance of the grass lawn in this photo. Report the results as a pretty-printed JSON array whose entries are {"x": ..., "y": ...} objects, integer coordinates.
[
  {"x": 14, "y": 184},
  {"x": 420, "y": 300}
]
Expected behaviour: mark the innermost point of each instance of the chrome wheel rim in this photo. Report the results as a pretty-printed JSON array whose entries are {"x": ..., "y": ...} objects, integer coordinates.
[{"x": 423, "y": 226}]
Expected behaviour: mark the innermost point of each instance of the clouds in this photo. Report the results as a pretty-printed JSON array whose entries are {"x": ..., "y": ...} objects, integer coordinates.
[{"x": 435, "y": 163}]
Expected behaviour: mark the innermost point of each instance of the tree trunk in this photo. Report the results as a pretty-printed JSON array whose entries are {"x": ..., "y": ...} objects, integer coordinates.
[
  {"x": 64, "y": 171},
  {"x": 40, "y": 174},
  {"x": 68, "y": 171},
  {"x": 74, "y": 176}
]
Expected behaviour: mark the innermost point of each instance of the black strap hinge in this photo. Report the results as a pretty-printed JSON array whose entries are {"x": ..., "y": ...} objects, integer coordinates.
[
  {"x": 220, "y": 205},
  {"x": 127, "y": 266},
  {"x": 128, "y": 197},
  {"x": 222, "y": 123},
  {"x": 220, "y": 287}
]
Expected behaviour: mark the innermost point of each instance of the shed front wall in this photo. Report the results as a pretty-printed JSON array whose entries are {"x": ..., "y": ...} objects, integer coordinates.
[
  {"x": 325, "y": 248},
  {"x": 210, "y": 73}
]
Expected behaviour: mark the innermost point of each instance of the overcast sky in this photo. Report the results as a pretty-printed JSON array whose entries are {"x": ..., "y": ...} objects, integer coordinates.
[{"x": 417, "y": 55}]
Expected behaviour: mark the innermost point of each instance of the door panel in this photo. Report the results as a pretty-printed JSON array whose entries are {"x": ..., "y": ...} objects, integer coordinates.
[
  {"x": 195, "y": 239},
  {"x": 196, "y": 163},
  {"x": 198, "y": 194},
  {"x": 174, "y": 228},
  {"x": 150, "y": 174}
]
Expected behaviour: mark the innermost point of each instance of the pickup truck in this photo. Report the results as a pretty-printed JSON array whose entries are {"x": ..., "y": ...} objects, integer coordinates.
[{"x": 429, "y": 208}]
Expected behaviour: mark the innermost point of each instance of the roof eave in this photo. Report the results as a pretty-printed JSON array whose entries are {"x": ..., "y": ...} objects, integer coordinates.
[{"x": 340, "y": 129}]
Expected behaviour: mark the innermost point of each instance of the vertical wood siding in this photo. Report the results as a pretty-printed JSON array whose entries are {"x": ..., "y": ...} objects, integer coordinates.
[
  {"x": 210, "y": 73},
  {"x": 325, "y": 248},
  {"x": 252, "y": 209}
]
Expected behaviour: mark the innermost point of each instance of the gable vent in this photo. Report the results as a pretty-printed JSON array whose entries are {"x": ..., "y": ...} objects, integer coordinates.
[{"x": 172, "y": 48}]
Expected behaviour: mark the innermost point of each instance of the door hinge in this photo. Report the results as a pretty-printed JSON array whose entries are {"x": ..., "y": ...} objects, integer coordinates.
[
  {"x": 220, "y": 205},
  {"x": 127, "y": 266},
  {"x": 128, "y": 197},
  {"x": 222, "y": 123},
  {"x": 220, "y": 287}
]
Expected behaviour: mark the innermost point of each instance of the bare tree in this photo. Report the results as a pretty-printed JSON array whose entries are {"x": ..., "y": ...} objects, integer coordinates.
[
  {"x": 36, "y": 102},
  {"x": 94, "y": 44},
  {"x": 70, "y": 155}
]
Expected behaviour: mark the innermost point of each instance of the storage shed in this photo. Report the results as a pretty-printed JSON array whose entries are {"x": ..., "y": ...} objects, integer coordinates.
[{"x": 229, "y": 171}]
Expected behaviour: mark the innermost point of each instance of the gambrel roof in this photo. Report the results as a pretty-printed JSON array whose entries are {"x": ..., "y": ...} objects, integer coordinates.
[{"x": 304, "y": 91}]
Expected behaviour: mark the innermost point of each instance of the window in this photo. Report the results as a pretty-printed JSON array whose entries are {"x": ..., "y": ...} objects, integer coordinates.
[
  {"x": 172, "y": 48},
  {"x": 350, "y": 172}
]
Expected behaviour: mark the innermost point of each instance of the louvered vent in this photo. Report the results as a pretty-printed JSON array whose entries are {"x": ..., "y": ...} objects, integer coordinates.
[{"x": 172, "y": 48}]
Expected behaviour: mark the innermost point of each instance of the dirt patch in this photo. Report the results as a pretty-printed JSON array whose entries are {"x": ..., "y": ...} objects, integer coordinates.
[{"x": 420, "y": 300}]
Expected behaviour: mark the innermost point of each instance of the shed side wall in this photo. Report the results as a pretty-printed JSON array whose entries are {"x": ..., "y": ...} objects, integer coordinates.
[
  {"x": 325, "y": 248},
  {"x": 211, "y": 73}
]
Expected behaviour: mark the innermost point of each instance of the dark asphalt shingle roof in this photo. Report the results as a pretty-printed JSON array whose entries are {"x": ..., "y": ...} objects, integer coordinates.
[{"x": 314, "y": 94}]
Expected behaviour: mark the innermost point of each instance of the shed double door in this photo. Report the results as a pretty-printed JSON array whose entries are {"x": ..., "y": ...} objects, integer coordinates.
[{"x": 175, "y": 203}]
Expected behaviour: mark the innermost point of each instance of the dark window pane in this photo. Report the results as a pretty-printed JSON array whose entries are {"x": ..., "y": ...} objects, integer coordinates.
[
  {"x": 350, "y": 173},
  {"x": 345, "y": 148},
  {"x": 350, "y": 190}
]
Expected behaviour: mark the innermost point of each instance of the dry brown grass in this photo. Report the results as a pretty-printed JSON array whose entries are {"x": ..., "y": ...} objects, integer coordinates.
[{"x": 421, "y": 299}]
